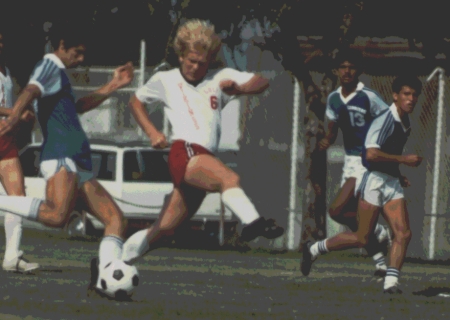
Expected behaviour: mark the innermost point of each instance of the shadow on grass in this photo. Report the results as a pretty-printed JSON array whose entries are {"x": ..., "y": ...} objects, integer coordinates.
[{"x": 432, "y": 291}]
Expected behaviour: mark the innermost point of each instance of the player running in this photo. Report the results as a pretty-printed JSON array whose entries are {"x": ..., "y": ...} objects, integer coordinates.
[
  {"x": 380, "y": 189},
  {"x": 193, "y": 98},
  {"x": 352, "y": 108},
  {"x": 66, "y": 157},
  {"x": 11, "y": 174}
]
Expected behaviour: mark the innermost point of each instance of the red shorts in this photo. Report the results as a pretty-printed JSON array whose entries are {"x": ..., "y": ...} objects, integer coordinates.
[
  {"x": 180, "y": 154},
  {"x": 8, "y": 148}
]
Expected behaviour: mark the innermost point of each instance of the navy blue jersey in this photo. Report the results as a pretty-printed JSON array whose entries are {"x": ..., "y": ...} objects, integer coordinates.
[
  {"x": 388, "y": 134},
  {"x": 56, "y": 112},
  {"x": 354, "y": 114}
]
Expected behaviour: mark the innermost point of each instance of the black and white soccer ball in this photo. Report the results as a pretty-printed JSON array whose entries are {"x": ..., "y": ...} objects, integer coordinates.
[{"x": 118, "y": 279}]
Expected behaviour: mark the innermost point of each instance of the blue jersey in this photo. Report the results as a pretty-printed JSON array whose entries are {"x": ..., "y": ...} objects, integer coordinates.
[
  {"x": 388, "y": 134},
  {"x": 56, "y": 112},
  {"x": 354, "y": 114}
]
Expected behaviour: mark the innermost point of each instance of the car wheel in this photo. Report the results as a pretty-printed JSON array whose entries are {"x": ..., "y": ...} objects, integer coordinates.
[{"x": 79, "y": 225}]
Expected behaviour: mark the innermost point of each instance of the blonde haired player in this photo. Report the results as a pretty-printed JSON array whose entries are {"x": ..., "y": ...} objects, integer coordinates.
[{"x": 193, "y": 97}]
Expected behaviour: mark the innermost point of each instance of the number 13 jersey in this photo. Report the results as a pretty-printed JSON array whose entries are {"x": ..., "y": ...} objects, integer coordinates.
[{"x": 354, "y": 114}]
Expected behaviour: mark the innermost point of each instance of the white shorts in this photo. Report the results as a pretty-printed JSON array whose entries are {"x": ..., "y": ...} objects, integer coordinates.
[
  {"x": 379, "y": 188},
  {"x": 50, "y": 167},
  {"x": 353, "y": 168}
]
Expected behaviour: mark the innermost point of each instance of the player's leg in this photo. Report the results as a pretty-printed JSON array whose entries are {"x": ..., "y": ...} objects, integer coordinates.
[
  {"x": 343, "y": 208},
  {"x": 12, "y": 179},
  {"x": 397, "y": 216},
  {"x": 183, "y": 203},
  {"x": 98, "y": 202},
  {"x": 61, "y": 193},
  {"x": 206, "y": 172}
]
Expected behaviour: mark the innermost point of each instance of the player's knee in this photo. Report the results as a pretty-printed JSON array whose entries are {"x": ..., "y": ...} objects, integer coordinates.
[
  {"x": 231, "y": 179},
  {"x": 403, "y": 235},
  {"x": 59, "y": 219}
]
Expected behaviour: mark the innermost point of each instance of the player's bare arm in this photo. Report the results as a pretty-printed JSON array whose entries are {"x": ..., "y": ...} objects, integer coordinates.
[
  {"x": 376, "y": 155},
  {"x": 157, "y": 138},
  {"x": 330, "y": 136},
  {"x": 255, "y": 85},
  {"x": 29, "y": 93},
  {"x": 122, "y": 77}
]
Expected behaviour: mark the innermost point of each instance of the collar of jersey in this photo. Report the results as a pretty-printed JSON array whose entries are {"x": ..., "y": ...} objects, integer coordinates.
[
  {"x": 55, "y": 59},
  {"x": 396, "y": 116},
  {"x": 359, "y": 87}
]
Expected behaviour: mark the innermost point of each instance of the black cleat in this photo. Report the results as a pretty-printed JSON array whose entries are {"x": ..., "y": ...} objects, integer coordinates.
[
  {"x": 94, "y": 274},
  {"x": 393, "y": 290},
  {"x": 307, "y": 259},
  {"x": 261, "y": 227}
]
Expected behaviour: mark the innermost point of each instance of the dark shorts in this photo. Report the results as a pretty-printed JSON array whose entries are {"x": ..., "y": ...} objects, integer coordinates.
[
  {"x": 180, "y": 154},
  {"x": 8, "y": 148}
]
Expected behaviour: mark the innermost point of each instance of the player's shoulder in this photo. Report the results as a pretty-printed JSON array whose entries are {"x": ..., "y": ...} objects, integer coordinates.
[
  {"x": 334, "y": 97},
  {"x": 371, "y": 93},
  {"x": 385, "y": 116},
  {"x": 166, "y": 75}
]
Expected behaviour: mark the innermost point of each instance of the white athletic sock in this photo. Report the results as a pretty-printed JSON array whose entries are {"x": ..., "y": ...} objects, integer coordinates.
[
  {"x": 391, "y": 279},
  {"x": 13, "y": 235},
  {"x": 110, "y": 249},
  {"x": 380, "y": 261},
  {"x": 136, "y": 246},
  {"x": 237, "y": 201},
  {"x": 26, "y": 207},
  {"x": 318, "y": 248}
]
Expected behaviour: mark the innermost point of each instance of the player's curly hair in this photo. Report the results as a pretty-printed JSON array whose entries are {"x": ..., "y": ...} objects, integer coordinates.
[
  {"x": 407, "y": 80},
  {"x": 196, "y": 35}
]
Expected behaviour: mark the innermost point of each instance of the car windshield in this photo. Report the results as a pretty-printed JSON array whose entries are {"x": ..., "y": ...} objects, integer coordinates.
[{"x": 146, "y": 166}]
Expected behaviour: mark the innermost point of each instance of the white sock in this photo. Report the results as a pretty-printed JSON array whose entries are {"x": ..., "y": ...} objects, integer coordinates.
[
  {"x": 26, "y": 207},
  {"x": 13, "y": 234},
  {"x": 136, "y": 246},
  {"x": 380, "y": 261},
  {"x": 110, "y": 249},
  {"x": 318, "y": 248},
  {"x": 391, "y": 278},
  {"x": 237, "y": 201}
]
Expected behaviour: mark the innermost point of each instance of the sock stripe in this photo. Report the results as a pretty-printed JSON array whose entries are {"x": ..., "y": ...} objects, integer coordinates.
[
  {"x": 322, "y": 246},
  {"x": 393, "y": 272}
]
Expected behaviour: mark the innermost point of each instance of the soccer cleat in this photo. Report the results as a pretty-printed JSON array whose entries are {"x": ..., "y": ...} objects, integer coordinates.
[
  {"x": 384, "y": 238},
  {"x": 379, "y": 274},
  {"x": 94, "y": 275},
  {"x": 261, "y": 227},
  {"x": 393, "y": 289},
  {"x": 307, "y": 259},
  {"x": 20, "y": 265}
]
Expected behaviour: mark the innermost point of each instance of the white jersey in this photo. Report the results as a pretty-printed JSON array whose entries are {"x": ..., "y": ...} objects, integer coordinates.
[
  {"x": 193, "y": 111},
  {"x": 6, "y": 90}
]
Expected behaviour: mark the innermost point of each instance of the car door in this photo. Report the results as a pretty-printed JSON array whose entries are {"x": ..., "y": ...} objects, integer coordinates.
[{"x": 146, "y": 182}]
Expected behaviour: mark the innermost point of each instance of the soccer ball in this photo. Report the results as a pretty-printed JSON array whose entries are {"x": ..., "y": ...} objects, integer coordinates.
[{"x": 119, "y": 279}]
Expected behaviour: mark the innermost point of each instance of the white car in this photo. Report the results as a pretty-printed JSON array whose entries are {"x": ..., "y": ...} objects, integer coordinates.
[{"x": 136, "y": 176}]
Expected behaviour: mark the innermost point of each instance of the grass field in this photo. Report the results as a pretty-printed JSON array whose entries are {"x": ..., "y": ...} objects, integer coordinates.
[{"x": 218, "y": 284}]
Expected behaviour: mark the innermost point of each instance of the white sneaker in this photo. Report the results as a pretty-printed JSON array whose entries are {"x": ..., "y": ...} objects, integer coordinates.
[
  {"x": 383, "y": 234},
  {"x": 20, "y": 265}
]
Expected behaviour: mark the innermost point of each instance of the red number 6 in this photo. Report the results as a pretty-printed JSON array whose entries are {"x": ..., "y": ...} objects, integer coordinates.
[{"x": 214, "y": 103}]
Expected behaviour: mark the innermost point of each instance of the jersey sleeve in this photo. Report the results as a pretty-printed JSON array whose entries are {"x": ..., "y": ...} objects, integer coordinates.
[
  {"x": 153, "y": 91},
  {"x": 380, "y": 129},
  {"x": 47, "y": 77},
  {"x": 330, "y": 111},
  {"x": 240, "y": 77},
  {"x": 377, "y": 105}
]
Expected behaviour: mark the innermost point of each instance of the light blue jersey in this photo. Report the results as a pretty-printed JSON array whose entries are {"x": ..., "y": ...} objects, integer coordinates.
[
  {"x": 354, "y": 114},
  {"x": 388, "y": 134},
  {"x": 56, "y": 112}
]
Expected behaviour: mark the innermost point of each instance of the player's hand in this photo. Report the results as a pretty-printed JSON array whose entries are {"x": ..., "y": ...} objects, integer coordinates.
[
  {"x": 404, "y": 182},
  {"x": 230, "y": 87},
  {"x": 158, "y": 140},
  {"x": 123, "y": 76},
  {"x": 6, "y": 125},
  {"x": 27, "y": 116},
  {"x": 412, "y": 160},
  {"x": 324, "y": 144}
]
